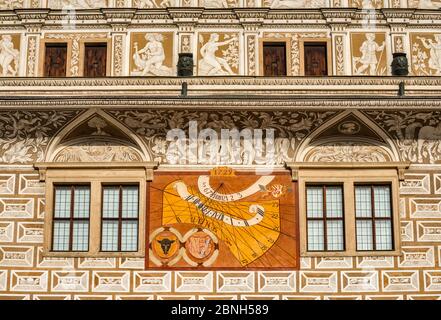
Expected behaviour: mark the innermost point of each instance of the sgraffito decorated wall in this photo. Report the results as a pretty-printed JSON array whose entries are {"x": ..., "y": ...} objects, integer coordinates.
[
  {"x": 27, "y": 273},
  {"x": 360, "y": 40}
]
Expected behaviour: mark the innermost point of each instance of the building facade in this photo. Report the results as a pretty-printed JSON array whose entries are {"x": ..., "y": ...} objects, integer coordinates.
[{"x": 291, "y": 165}]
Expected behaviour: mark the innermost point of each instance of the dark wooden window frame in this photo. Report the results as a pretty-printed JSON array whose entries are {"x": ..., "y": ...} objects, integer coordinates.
[
  {"x": 120, "y": 218},
  {"x": 54, "y": 45},
  {"x": 316, "y": 43},
  {"x": 71, "y": 219},
  {"x": 373, "y": 218},
  {"x": 325, "y": 219},
  {"x": 97, "y": 44},
  {"x": 275, "y": 43}
]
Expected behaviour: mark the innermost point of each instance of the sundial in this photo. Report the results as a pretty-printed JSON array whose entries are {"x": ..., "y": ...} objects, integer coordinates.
[{"x": 222, "y": 218}]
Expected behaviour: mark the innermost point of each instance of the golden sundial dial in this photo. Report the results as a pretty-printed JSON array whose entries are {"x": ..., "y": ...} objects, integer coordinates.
[{"x": 224, "y": 219}]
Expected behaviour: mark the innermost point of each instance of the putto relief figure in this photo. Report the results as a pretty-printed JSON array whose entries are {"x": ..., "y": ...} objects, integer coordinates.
[
  {"x": 366, "y": 4},
  {"x": 219, "y": 3},
  {"x": 369, "y": 62},
  {"x": 79, "y": 4},
  {"x": 212, "y": 65},
  {"x": 287, "y": 4},
  {"x": 434, "y": 56},
  {"x": 150, "y": 59},
  {"x": 9, "y": 57},
  {"x": 425, "y": 4},
  {"x": 148, "y": 4},
  {"x": 11, "y": 4}
]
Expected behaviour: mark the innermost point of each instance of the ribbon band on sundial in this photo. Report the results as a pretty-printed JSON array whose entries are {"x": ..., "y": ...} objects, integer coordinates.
[{"x": 248, "y": 228}]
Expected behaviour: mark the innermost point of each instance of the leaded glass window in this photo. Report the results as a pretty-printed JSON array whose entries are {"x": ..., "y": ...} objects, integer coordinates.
[
  {"x": 71, "y": 218},
  {"x": 120, "y": 218},
  {"x": 325, "y": 218},
  {"x": 373, "y": 214}
]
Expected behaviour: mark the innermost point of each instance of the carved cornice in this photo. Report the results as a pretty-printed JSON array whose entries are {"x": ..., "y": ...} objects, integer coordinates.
[
  {"x": 47, "y": 18},
  {"x": 43, "y": 167},
  {"x": 32, "y": 19},
  {"x": 237, "y": 93},
  {"x": 228, "y": 81},
  {"x": 267, "y": 102},
  {"x": 296, "y": 166}
]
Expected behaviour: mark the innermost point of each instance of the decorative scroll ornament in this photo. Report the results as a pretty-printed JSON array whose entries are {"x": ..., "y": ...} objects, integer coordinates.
[
  {"x": 347, "y": 152},
  {"x": 417, "y": 134},
  {"x": 98, "y": 151}
]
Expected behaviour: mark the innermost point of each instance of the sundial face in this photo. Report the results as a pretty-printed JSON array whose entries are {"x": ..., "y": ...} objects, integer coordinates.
[{"x": 225, "y": 219}]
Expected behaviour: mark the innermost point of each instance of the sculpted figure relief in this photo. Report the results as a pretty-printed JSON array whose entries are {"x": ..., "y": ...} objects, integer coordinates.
[
  {"x": 150, "y": 59},
  {"x": 212, "y": 65},
  {"x": 425, "y": 4},
  {"x": 289, "y": 129},
  {"x": 154, "y": 3},
  {"x": 369, "y": 61},
  {"x": 9, "y": 57},
  {"x": 418, "y": 134},
  {"x": 214, "y": 3},
  {"x": 80, "y": 4},
  {"x": 11, "y": 4},
  {"x": 281, "y": 4},
  {"x": 366, "y": 4},
  {"x": 434, "y": 48}
]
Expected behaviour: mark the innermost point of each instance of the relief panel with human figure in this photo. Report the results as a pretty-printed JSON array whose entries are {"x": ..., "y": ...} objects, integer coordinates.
[
  {"x": 218, "y": 54},
  {"x": 366, "y": 4},
  {"x": 369, "y": 54},
  {"x": 9, "y": 55},
  {"x": 152, "y": 54},
  {"x": 425, "y": 4},
  {"x": 78, "y": 4},
  {"x": 294, "y": 4},
  {"x": 426, "y": 54},
  {"x": 219, "y": 3},
  {"x": 150, "y": 4}
]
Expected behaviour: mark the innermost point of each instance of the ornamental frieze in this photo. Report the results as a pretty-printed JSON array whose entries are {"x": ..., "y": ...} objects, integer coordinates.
[
  {"x": 26, "y": 134},
  {"x": 417, "y": 134}
]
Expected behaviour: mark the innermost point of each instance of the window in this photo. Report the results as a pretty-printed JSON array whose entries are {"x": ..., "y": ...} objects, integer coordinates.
[
  {"x": 315, "y": 59},
  {"x": 348, "y": 209},
  {"x": 71, "y": 218},
  {"x": 324, "y": 214},
  {"x": 95, "y": 59},
  {"x": 99, "y": 213},
  {"x": 55, "y": 60},
  {"x": 373, "y": 214},
  {"x": 120, "y": 218},
  {"x": 274, "y": 59}
]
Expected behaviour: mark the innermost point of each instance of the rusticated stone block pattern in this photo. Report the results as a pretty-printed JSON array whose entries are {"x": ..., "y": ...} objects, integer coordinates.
[{"x": 26, "y": 274}]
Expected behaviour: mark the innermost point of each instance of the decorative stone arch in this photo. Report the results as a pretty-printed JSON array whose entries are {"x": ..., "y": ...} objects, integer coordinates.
[
  {"x": 327, "y": 145},
  {"x": 120, "y": 145}
]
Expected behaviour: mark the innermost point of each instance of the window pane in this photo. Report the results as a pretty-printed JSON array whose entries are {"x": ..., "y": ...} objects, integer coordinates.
[
  {"x": 80, "y": 236},
  {"x": 382, "y": 201},
  {"x": 364, "y": 235},
  {"x": 335, "y": 235},
  {"x": 314, "y": 202},
  {"x": 82, "y": 202},
  {"x": 130, "y": 202},
  {"x": 109, "y": 241},
  {"x": 363, "y": 202},
  {"x": 315, "y": 236},
  {"x": 62, "y": 202},
  {"x": 383, "y": 235},
  {"x": 334, "y": 202},
  {"x": 61, "y": 236},
  {"x": 129, "y": 241},
  {"x": 111, "y": 202}
]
